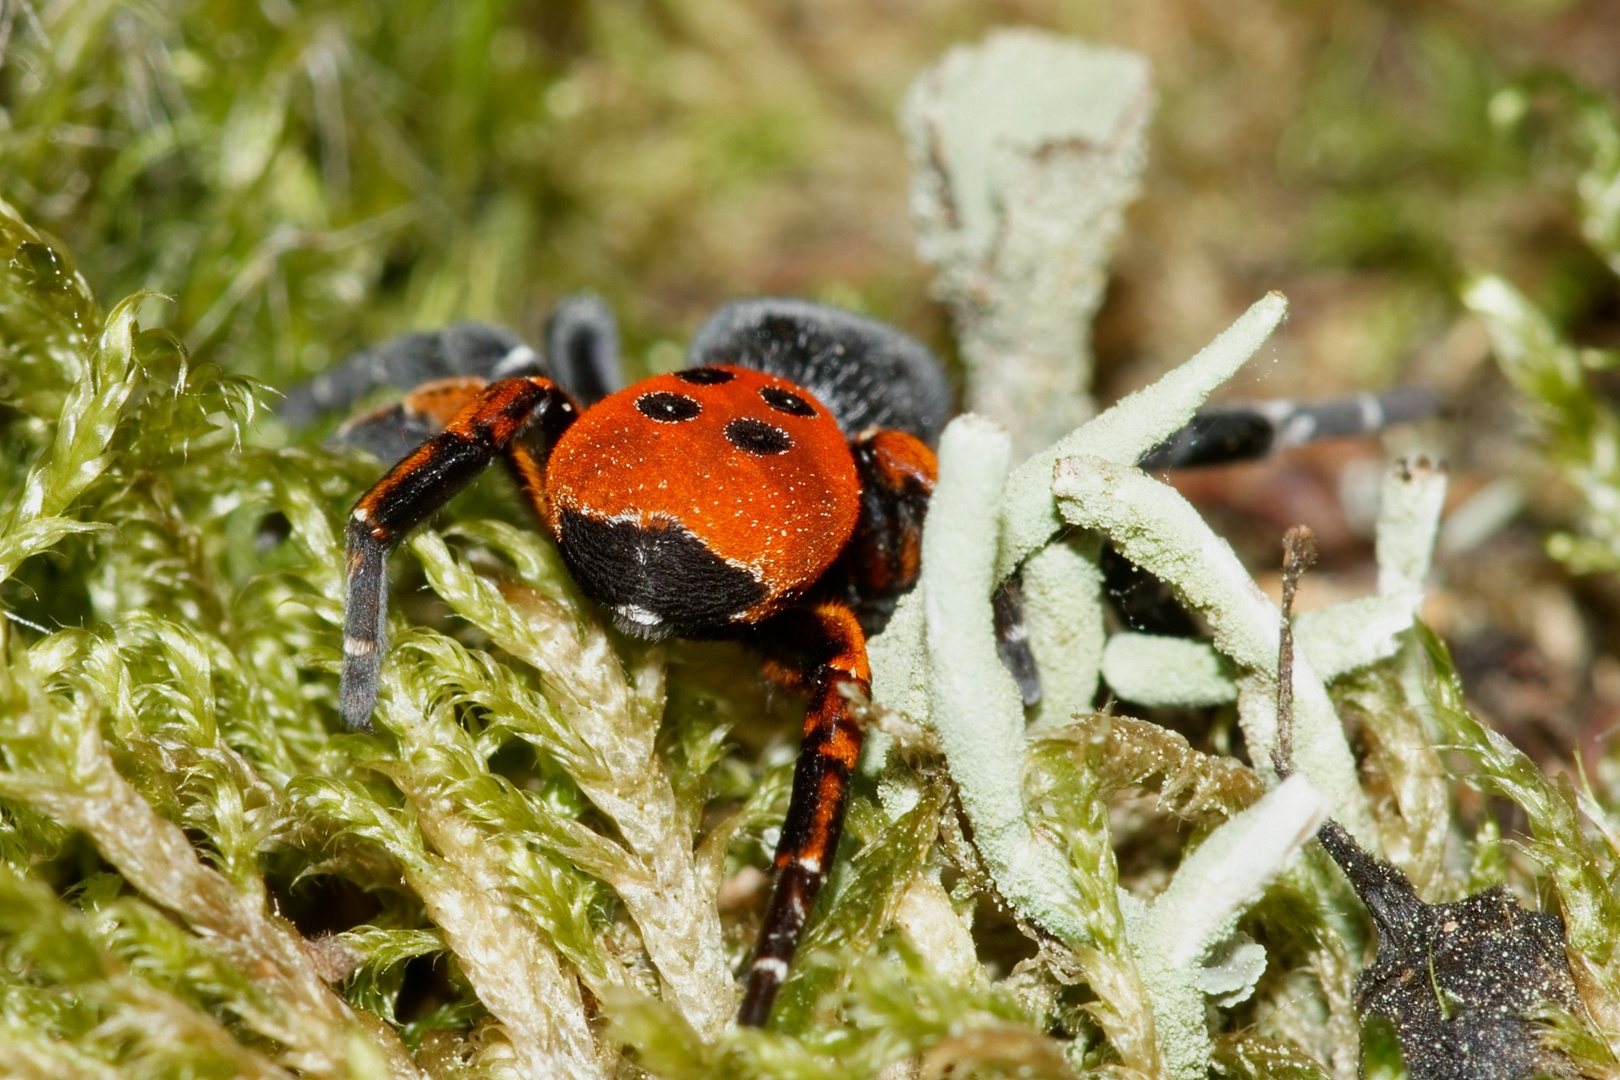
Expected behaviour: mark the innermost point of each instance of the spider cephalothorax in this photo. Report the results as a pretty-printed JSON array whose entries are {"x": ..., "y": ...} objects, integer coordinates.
[{"x": 774, "y": 489}]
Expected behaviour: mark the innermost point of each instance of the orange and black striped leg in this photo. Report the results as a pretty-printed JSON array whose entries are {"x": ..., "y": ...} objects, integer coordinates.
[
  {"x": 882, "y": 559},
  {"x": 815, "y": 818},
  {"x": 897, "y": 473},
  {"x": 520, "y": 418}
]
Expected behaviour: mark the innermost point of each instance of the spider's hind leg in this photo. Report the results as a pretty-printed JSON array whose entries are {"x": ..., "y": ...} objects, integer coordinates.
[
  {"x": 472, "y": 350},
  {"x": 390, "y": 432},
  {"x": 582, "y": 357},
  {"x": 1222, "y": 434},
  {"x": 1226, "y": 434}
]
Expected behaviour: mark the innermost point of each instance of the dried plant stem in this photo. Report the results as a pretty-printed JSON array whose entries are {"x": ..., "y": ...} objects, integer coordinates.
[{"x": 1299, "y": 552}]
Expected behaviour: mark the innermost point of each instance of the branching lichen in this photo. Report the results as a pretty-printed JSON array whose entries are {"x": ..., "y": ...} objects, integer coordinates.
[{"x": 1157, "y": 529}]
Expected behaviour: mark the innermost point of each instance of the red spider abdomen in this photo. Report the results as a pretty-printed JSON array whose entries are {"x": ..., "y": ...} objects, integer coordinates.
[{"x": 702, "y": 498}]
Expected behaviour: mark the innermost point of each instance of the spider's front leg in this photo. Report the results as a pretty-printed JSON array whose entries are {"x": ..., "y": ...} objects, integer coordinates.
[
  {"x": 833, "y": 640},
  {"x": 519, "y": 419}
]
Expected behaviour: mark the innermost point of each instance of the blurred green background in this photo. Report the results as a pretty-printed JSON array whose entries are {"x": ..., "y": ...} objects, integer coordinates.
[{"x": 304, "y": 179}]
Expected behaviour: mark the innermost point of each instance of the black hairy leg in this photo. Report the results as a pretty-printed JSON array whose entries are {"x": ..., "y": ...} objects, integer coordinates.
[
  {"x": 581, "y": 356},
  {"x": 1228, "y": 434},
  {"x": 1220, "y": 435}
]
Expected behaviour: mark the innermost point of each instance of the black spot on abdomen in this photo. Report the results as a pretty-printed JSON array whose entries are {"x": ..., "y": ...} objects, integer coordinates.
[
  {"x": 757, "y": 437},
  {"x": 704, "y": 376},
  {"x": 667, "y": 408},
  {"x": 786, "y": 401}
]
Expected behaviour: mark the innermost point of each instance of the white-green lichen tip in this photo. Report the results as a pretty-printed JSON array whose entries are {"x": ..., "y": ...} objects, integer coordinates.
[
  {"x": 1228, "y": 872},
  {"x": 1020, "y": 92},
  {"x": 974, "y": 703},
  {"x": 1409, "y": 508},
  {"x": 1135, "y": 425},
  {"x": 1342, "y": 638},
  {"x": 1173, "y": 936},
  {"x": 1025, "y": 149}
]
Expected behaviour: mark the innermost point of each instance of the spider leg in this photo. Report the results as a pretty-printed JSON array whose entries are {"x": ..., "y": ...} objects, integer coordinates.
[
  {"x": 582, "y": 355},
  {"x": 409, "y": 360},
  {"x": 582, "y": 347},
  {"x": 815, "y": 818},
  {"x": 1012, "y": 640},
  {"x": 518, "y": 418},
  {"x": 1229, "y": 433},
  {"x": 897, "y": 473},
  {"x": 390, "y": 432}
]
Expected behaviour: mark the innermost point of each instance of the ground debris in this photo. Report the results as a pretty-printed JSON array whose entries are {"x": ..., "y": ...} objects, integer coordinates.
[{"x": 1462, "y": 981}]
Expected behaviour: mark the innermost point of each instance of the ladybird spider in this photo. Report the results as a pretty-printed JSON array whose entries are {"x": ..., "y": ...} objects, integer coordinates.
[{"x": 774, "y": 490}]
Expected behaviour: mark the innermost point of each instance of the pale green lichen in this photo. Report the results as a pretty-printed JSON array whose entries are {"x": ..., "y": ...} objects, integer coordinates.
[
  {"x": 1025, "y": 150},
  {"x": 973, "y": 701},
  {"x": 1126, "y": 431},
  {"x": 1157, "y": 529},
  {"x": 1175, "y": 934},
  {"x": 1166, "y": 671},
  {"x": 1062, "y": 589},
  {"x": 1338, "y": 639}
]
